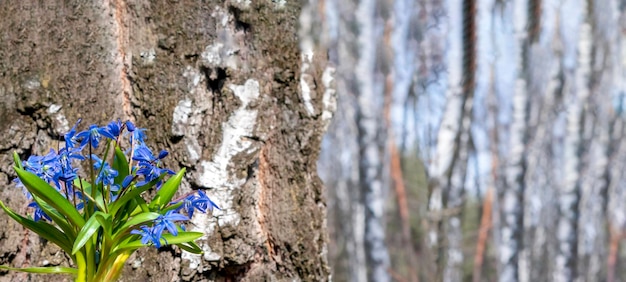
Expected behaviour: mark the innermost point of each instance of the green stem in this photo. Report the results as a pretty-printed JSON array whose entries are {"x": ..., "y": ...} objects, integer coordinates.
[
  {"x": 92, "y": 177},
  {"x": 91, "y": 260},
  {"x": 116, "y": 269},
  {"x": 105, "y": 250},
  {"x": 105, "y": 194},
  {"x": 112, "y": 267},
  {"x": 81, "y": 276}
]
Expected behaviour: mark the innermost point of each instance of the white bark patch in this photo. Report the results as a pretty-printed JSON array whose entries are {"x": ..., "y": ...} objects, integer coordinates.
[
  {"x": 359, "y": 242},
  {"x": 181, "y": 117},
  {"x": 220, "y": 55},
  {"x": 189, "y": 113},
  {"x": 204, "y": 223},
  {"x": 148, "y": 56},
  {"x": 211, "y": 54},
  {"x": 61, "y": 125},
  {"x": 279, "y": 4},
  {"x": 54, "y": 108},
  {"x": 329, "y": 101},
  {"x": 216, "y": 173},
  {"x": 32, "y": 84},
  {"x": 244, "y": 3},
  {"x": 305, "y": 78}
]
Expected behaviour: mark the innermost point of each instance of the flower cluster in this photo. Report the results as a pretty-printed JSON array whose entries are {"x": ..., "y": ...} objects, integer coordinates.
[
  {"x": 103, "y": 195},
  {"x": 61, "y": 170}
]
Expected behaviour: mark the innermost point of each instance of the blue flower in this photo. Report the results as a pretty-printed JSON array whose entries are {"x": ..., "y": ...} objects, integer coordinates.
[
  {"x": 38, "y": 214},
  {"x": 67, "y": 176},
  {"x": 93, "y": 135},
  {"x": 65, "y": 159},
  {"x": 115, "y": 128},
  {"x": 33, "y": 163},
  {"x": 188, "y": 205},
  {"x": 151, "y": 172},
  {"x": 68, "y": 153},
  {"x": 148, "y": 235},
  {"x": 130, "y": 126},
  {"x": 53, "y": 168},
  {"x": 106, "y": 175},
  {"x": 167, "y": 222},
  {"x": 127, "y": 180},
  {"x": 202, "y": 203},
  {"x": 143, "y": 154},
  {"x": 70, "y": 137},
  {"x": 50, "y": 168},
  {"x": 149, "y": 165},
  {"x": 137, "y": 135}
]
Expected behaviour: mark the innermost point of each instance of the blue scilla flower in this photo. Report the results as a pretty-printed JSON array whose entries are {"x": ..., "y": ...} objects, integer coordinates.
[
  {"x": 152, "y": 171},
  {"x": 50, "y": 169},
  {"x": 130, "y": 126},
  {"x": 167, "y": 222},
  {"x": 137, "y": 135},
  {"x": 199, "y": 202},
  {"x": 203, "y": 203},
  {"x": 68, "y": 153},
  {"x": 93, "y": 135},
  {"x": 149, "y": 165},
  {"x": 148, "y": 235},
  {"x": 115, "y": 128},
  {"x": 188, "y": 205},
  {"x": 38, "y": 214},
  {"x": 70, "y": 137},
  {"x": 143, "y": 154},
  {"x": 106, "y": 174},
  {"x": 33, "y": 163}
]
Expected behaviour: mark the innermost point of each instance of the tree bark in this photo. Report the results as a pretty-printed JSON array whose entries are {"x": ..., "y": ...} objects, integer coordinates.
[{"x": 224, "y": 86}]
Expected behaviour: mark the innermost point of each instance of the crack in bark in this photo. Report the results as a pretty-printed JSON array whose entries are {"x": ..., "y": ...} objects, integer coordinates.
[{"x": 263, "y": 194}]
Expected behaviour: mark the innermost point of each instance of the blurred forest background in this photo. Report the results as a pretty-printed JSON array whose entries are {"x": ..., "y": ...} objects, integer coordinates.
[{"x": 475, "y": 140}]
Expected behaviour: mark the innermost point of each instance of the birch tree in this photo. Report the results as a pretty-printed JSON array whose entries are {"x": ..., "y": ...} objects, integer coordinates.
[{"x": 221, "y": 85}]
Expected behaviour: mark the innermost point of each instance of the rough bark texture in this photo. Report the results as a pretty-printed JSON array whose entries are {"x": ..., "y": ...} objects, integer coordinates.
[{"x": 219, "y": 84}]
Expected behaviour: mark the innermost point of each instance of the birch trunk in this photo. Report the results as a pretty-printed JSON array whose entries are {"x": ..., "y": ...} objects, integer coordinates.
[{"x": 223, "y": 86}]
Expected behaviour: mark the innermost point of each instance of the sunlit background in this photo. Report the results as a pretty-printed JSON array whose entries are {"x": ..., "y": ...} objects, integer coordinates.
[{"x": 474, "y": 140}]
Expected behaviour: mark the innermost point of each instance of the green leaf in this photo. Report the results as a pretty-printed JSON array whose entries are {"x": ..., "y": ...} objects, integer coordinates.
[
  {"x": 17, "y": 160},
  {"x": 169, "y": 239},
  {"x": 167, "y": 191},
  {"x": 48, "y": 194},
  {"x": 89, "y": 229},
  {"x": 131, "y": 194},
  {"x": 56, "y": 217},
  {"x": 135, "y": 220},
  {"x": 47, "y": 270},
  {"x": 191, "y": 247},
  {"x": 87, "y": 187},
  {"x": 120, "y": 164},
  {"x": 106, "y": 223},
  {"x": 82, "y": 183},
  {"x": 172, "y": 207},
  {"x": 140, "y": 206},
  {"x": 44, "y": 229}
]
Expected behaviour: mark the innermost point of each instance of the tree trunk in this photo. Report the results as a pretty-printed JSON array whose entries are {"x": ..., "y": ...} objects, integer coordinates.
[{"x": 223, "y": 86}]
